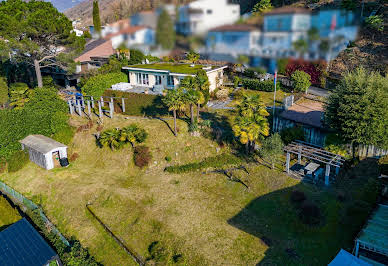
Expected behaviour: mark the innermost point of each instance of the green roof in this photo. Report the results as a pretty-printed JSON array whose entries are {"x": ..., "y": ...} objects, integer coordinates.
[{"x": 174, "y": 68}]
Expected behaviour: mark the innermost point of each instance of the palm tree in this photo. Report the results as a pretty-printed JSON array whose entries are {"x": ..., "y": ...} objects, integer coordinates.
[
  {"x": 133, "y": 134},
  {"x": 203, "y": 85},
  {"x": 192, "y": 97},
  {"x": 251, "y": 123},
  {"x": 175, "y": 101},
  {"x": 111, "y": 138}
]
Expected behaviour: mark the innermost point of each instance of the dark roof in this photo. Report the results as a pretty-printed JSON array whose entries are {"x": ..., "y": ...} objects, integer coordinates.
[
  {"x": 92, "y": 45},
  {"x": 21, "y": 244},
  {"x": 236, "y": 27},
  {"x": 288, "y": 10},
  {"x": 305, "y": 111},
  {"x": 41, "y": 143}
]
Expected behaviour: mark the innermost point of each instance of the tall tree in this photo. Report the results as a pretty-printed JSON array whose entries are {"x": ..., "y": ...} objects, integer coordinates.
[
  {"x": 203, "y": 84},
  {"x": 358, "y": 108},
  {"x": 251, "y": 123},
  {"x": 271, "y": 149},
  {"x": 35, "y": 32},
  {"x": 96, "y": 17},
  {"x": 165, "y": 33},
  {"x": 175, "y": 101}
]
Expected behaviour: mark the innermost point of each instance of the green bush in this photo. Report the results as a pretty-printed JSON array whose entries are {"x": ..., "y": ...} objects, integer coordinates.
[
  {"x": 48, "y": 81},
  {"x": 65, "y": 135},
  {"x": 255, "y": 84},
  {"x": 282, "y": 65},
  {"x": 138, "y": 104},
  {"x": 216, "y": 161},
  {"x": 301, "y": 81},
  {"x": 17, "y": 161},
  {"x": 291, "y": 134},
  {"x": 383, "y": 165},
  {"x": 95, "y": 86}
]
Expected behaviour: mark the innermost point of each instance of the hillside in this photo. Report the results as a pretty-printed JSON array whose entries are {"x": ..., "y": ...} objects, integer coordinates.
[{"x": 113, "y": 10}]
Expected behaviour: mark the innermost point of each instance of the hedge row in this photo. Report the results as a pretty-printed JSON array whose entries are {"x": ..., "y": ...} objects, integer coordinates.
[
  {"x": 216, "y": 161},
  {"x": 138, "y": 104},
  {"x": 255, "y": 84},
  {"x": 95, "y": 86}
]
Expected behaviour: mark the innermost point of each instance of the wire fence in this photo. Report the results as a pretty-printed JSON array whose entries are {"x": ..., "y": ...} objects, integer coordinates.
[{"x": 27, "y": 205}]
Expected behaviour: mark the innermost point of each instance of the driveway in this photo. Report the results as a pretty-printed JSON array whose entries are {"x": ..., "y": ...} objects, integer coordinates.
[{"x": 318, "y": 92}]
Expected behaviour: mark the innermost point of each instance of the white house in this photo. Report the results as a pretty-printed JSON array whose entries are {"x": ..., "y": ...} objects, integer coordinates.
[
  {"x": 138, "y": 36},
  {"x": 197, "y": 17},
  {"x": 115, "y": 27},
  {"x": 160, "y": 76}
]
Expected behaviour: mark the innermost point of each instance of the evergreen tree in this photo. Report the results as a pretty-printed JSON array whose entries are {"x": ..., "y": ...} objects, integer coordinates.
[
  {"x": 358, "y": 108},
  {"x": 96, "y": 17},
  {"x": 165, "y": 33}
]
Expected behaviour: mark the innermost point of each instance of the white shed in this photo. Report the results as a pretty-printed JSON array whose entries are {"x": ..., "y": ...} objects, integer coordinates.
[{"x": 44, "y": 151}]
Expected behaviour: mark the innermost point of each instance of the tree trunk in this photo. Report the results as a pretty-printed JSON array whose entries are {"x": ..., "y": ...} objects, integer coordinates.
[
  {"x": 175, "y": 129},
  {"x": 198, "y": 107},
  {"x": 38, "y": 73},
  {"x": 247, "y": 147},
  {"x": 192, "y": 113}
]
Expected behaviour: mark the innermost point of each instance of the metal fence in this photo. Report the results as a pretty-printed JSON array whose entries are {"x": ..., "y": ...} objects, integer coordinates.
[{"x": 27, "y": 205}]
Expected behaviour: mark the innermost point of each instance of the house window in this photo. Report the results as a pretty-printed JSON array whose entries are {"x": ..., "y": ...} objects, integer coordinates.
[
  {"x": 158, "y": 80},
  {"x": 138, "y": 78},
  {"x": 170, "y": 81},
  {"x": 209, "y": 11},
  {"x": 145, "y": 79}
]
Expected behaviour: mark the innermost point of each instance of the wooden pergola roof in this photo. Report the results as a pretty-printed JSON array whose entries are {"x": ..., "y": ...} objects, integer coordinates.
[{"x": 315, "y": 153}]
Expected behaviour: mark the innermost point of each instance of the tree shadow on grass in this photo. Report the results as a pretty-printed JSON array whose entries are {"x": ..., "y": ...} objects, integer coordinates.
[{"x": 276, "y": 221}]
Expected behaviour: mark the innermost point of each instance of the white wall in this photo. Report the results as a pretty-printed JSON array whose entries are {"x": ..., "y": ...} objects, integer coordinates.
[{"x": 214, "y": 13}]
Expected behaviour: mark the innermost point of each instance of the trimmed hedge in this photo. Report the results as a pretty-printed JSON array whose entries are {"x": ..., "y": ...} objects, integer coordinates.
[
  {"x": 255, "y": 84},
  {"x": 216, "y": 161},
  {"x": 138, "y": 104},
  {"x": 95, "y": 86}
]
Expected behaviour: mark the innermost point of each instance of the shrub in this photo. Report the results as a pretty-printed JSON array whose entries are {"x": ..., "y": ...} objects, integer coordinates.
[
  {"x": 65, "y": 135},
  {"x": 74, "y": 157},
  {"x": 216, "y": 161},
  {"x": 282, "y": 64},
  {"x": 301, "y": 81},
  {"x": 310, "y": 213},
  {"x": 142, "y": 156},
  {"x": 255, "y": 84},
  {"x": 291, "y": 134},
  {"x": 17, "y": 161},
  {"x": 95, "y": 86},
  {"x": 48, "y": 81},
  {"x": 222, "y": 94},
  {"x": 168, "y": 158},
  {"x": 139, "y": 104},
  {"x": 297, "y": 196},
  {"x": 236, "y": 81},
  {"x": 3, "y": 165},
  {"x": 316, "y": 69},
  {"x": 249, "y": 73},
  {"x": 383, "y": 165}
]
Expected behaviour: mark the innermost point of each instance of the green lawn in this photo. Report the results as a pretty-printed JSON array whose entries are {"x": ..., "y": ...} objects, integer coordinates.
[
  {"x": 174, "y": 68},
  {"x": 8, "y": 215},
  {"x": 205, "y": 218}
]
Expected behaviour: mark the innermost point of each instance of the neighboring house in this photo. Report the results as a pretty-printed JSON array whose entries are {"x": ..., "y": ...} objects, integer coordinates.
[
  {"x": 307, "y": 114},
  {"x": 21, "y": 244},
  {"x": 160, "y": 76},
  {"x": 225, "y": 43},
  {"x": 138, "y": 36},
  {"x": 115, "y": 27},
  {"x": 95, "y": 54},
  {"x": 44, "y": 151},
  {"x": 198, "y": 17},
  {"x": 149, "y": 18},
  {"x": 280, "y": 29}
]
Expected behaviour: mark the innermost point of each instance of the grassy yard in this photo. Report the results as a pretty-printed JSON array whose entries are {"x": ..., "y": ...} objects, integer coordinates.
[
  {"x": 8, "y": 215},
  {"x": 200, "y": 219}
]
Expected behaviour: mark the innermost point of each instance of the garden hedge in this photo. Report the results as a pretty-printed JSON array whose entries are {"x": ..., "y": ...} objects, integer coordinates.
[
  {"x": 216, "y": 161},
  {"x": 95, "y": 86},
  {"x": 138, "y": 104}
]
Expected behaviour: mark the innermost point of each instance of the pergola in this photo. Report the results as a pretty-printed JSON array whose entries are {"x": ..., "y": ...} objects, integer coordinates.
[{"x": 315, "y": 153}]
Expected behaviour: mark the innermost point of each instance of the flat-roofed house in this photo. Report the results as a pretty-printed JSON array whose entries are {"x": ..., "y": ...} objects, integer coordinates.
[{"x": 160, "y": 76}]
